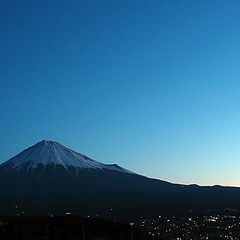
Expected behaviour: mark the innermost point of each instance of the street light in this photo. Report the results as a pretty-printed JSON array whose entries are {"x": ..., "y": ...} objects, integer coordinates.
[{"x": 131, "y": 229}]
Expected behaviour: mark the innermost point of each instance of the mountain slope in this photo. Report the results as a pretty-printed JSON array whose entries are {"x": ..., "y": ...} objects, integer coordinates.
[
  {"x": 50, "y": 153},
  {"x": 49, "y": 177}
]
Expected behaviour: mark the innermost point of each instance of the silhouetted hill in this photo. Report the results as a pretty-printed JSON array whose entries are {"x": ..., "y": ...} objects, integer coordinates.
[{"x": 66, "y": 228}]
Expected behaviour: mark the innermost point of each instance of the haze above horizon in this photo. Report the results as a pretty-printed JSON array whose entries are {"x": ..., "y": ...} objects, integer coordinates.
[{"x": 150, "y": 85}]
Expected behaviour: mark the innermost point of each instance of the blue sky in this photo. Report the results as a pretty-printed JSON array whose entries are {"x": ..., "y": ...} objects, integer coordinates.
[{"x": 150, "y": 85}]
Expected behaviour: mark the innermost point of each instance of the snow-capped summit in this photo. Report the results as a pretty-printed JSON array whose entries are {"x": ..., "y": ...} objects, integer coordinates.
[{"x": 45, "y": 153}]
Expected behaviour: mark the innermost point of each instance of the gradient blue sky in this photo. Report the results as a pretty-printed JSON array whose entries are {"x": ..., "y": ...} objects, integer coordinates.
[{"x": 151, "y": 85}]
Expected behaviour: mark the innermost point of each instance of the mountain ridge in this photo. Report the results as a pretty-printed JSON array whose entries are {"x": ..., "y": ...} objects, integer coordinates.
[{"x": 52, "y": 188}]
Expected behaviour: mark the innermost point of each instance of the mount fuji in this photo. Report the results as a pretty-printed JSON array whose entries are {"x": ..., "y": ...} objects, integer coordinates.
[
  {"x": 50, "y": 154},
  {"x": 51, "y": 178}
]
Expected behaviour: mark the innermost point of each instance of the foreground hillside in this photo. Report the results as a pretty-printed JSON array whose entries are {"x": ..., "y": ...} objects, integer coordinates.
[{"x": 66, "y": 228}]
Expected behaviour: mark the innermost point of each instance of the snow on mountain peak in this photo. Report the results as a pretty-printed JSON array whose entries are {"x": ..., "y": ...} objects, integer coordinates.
[{"x": 50, "y": 152}]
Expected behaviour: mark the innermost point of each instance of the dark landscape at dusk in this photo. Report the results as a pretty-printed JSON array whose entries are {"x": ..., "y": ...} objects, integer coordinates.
[
  {"x": 49, "y": 179},
  {"x": 119, "y": 120}
]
